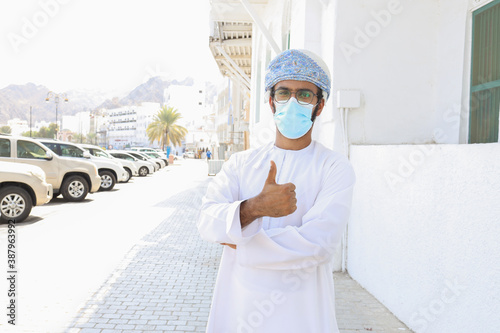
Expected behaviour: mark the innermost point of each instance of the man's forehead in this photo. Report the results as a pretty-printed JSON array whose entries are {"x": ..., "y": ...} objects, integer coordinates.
[{"x": 293, "y": 84}]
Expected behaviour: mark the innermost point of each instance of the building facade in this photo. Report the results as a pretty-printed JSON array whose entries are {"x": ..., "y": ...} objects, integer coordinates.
[
  {"x": 231, "y": 44},
  {"x": 126, "y": 126}
]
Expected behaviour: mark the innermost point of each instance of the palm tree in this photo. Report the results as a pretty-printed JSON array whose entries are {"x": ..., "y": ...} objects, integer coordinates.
[{"x": 163, "y": 128}]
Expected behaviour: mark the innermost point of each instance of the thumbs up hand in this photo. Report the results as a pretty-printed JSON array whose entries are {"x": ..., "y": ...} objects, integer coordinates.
[
  {"x": 275, "y": 200},
  {"x": 278, "y": 200}
]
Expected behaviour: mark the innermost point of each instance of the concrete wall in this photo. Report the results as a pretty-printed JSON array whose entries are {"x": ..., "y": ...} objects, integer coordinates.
[
  {"x": 407, "y": 58},
  {"x": 424, "y": 233}
]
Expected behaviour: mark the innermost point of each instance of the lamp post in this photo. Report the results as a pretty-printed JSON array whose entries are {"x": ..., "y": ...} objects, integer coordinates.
[{"x": 56, "y": 97}]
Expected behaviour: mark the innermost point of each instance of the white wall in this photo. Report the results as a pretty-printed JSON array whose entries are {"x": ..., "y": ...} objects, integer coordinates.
[
  {"x": 424, "y": 233},
  {"x": 407, "y": 58}
]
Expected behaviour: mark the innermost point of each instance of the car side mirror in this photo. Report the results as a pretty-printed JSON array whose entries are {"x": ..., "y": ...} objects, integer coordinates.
[
  {"x": 48, "y": 155},
  {"x": 86, "y": 154}
]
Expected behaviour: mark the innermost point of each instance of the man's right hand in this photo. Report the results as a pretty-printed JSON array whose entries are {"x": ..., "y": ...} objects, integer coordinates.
[{"x": 275, "y": 200}]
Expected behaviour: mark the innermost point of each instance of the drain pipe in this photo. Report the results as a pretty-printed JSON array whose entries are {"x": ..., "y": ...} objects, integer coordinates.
[{"x": 346, "y": 101}]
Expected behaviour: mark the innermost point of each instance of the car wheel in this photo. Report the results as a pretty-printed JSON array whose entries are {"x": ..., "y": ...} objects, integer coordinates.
[
  {"x": 108, "y": 180},
  {"x": 74, "y": 188},
  {"x": 143, "y": 171},
  {"x": 129, "y": 175},
  {"x": 15, "y": 204}
]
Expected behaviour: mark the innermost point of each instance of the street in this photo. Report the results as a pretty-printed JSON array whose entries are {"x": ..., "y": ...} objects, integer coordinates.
[{"x": 66, "y": 251}]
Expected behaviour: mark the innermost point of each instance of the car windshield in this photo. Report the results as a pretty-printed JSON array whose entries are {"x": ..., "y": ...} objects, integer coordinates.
[
  {"x": 26, "y": 149},
  {"x": 123, "y": 156},
  {"x": 142, "y": 158},
  {"x": 98, "y": 152},
  {"x": 70, "y": 151},
  {"x": 145, "y": 156}
]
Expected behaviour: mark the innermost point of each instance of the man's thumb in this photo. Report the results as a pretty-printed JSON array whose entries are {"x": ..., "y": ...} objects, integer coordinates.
[{"x": 271, "y": 178}]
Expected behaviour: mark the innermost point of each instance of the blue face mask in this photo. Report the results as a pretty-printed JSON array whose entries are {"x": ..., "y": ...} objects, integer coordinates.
[{"x": 293, "y": 119}]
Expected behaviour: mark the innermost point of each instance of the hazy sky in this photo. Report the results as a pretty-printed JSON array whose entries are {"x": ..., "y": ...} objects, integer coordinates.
[{"x": 111, "y": 45}]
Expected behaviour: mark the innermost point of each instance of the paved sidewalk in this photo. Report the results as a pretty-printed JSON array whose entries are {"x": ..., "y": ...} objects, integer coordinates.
[{"x": 165, "y": 283}]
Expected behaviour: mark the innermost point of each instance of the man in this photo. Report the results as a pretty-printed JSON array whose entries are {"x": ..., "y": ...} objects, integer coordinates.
[{"x": 280, "y": 212}]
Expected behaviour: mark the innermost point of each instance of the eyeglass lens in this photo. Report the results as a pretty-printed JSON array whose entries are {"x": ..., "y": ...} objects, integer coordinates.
[{"x": 303, "y": 96}]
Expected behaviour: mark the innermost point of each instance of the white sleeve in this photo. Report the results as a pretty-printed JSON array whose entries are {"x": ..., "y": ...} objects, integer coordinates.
[
  {"x": 314, "y": 242},
  {"x": 219, "y": 219}
]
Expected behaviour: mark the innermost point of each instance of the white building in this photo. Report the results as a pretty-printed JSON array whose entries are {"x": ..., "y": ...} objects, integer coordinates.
[
  {"x": 126, "y": 126},
  {"x": 18, "y": 126},
  {"x": 231, "y": 46},
  {"x": 417, "y": 82},
  {"x": 40, "y": 124},
  {"x": 188, "y": 100},
  {"x": 79, "y": 123}
]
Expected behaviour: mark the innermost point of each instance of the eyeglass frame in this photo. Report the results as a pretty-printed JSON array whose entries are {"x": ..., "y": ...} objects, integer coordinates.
[{"x": 273, "y": 95}]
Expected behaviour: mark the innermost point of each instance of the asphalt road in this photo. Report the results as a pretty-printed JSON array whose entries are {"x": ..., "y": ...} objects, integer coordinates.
[{"x": 65, "y": 251}]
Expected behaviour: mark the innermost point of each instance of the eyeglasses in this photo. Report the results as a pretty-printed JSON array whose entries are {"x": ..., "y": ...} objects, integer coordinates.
[{"x": 303, "y": 96}]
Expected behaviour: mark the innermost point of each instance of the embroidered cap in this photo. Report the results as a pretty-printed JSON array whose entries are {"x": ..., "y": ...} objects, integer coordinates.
[{"x": 299, "y": 65}]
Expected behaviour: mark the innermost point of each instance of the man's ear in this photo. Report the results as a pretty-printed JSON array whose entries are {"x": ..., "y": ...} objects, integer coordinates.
[
  {"x": 321, "y": 105},
  {"x": 271, "y": 104}
]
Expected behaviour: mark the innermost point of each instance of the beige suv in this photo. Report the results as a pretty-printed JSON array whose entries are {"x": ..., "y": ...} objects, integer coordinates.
[
  {"x": 70, "y": 177},
  {"x": 21, "y": 187}
]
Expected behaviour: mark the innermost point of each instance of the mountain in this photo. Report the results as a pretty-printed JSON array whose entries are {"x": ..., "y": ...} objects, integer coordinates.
[
  {"x": 15, "y": 100},
  {"x": 151, "y": 91}
]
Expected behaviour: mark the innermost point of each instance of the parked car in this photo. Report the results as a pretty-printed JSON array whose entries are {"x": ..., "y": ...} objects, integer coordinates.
[
  {"x": 161, "y": 163},
  {"x": 111, "y": 174},
  {"x": 22, "y": 186},
  {"x": 143, "y": 149},
  {"x": 144, "y": 167},
  {"x": 189, "y": 154},
  {"x": 141, "y": 157},
  {"x": 129, "y": 166},
  {"x": 163, "y": 153},
  {"x": 73, "y": 178},
  {"x": 108, "y": 170},
  {"x": 151, "y": 152},
  {"x": 155, "y": 154}
]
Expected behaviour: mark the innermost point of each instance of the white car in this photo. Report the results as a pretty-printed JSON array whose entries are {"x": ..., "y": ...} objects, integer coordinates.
[
  {"x": 71, "y": 177},
  {"x": 121, "y": 174},
  {"x": 22, "y": 186},
  {"x": 155, "y": 154},
  {"x": 141, "y": 157},
  {"x": 107, "y": 170},
  {"x": 128, "y": 165},
  {"x": 189, "y": 154},
  {"x": 144, "y": 167},
  {"x": 161, "y": 163}
]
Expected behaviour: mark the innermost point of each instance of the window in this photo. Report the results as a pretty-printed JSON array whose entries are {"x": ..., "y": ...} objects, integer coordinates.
[
  {"x": 71, "y": 151},
  {"x": 125, "y": 157},
  {"x": 53, "y": 147},
  {"x": 26, "y": 149},
  {"x": 98, "y": 153},
  {"x": 4, "y": 148},
  {"x": 485, "y": 74}
]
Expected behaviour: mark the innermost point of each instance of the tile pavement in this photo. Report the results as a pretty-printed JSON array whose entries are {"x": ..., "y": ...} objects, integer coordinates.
[{"x": 165, "y": 283}]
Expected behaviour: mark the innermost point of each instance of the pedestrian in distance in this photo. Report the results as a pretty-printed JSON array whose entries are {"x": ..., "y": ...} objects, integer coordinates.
[
  {"x": 209, "y": 154},
  {"x": 280, "y": 211}
]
